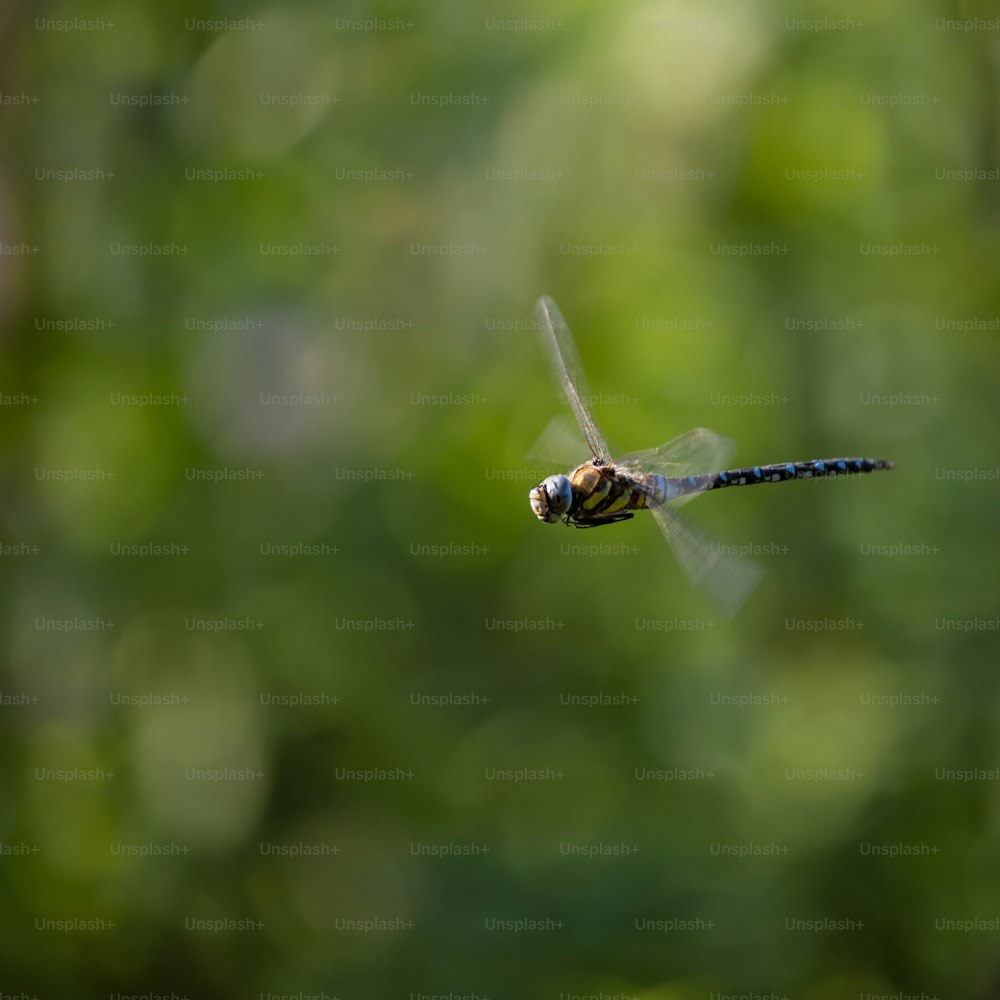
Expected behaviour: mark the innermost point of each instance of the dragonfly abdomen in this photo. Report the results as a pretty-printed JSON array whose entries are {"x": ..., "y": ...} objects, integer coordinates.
[{"x": 778, "y": 473}]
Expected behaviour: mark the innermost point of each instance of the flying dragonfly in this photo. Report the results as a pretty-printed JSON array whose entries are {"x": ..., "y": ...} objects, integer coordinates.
[{"x": 605, "y": 490}]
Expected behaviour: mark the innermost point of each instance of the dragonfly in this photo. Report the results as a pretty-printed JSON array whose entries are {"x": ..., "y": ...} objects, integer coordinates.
[{"x": 606, "y": 490}]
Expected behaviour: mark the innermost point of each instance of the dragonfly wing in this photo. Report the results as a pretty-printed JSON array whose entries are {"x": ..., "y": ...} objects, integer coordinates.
[
  {"x": 728, "y": 580},
  {"x": 559, "y": 346},
  {"x": 558, "y": 444},
  {"x": 696, "y": 452}
]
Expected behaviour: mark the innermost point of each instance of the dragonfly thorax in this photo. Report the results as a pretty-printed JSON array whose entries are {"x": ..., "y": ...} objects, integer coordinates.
[{"x": 551, "y": 498}]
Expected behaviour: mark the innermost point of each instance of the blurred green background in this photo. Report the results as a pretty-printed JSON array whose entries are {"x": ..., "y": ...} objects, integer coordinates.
[{"x": 298, "y": 697}]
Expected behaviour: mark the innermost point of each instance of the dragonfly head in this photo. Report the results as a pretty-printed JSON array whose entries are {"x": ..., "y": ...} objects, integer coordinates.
[{"x": 551, "y": 498}]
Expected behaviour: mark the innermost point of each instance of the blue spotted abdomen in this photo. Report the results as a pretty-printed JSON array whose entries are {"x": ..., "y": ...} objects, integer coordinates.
[{"x": 778, "y": 473}]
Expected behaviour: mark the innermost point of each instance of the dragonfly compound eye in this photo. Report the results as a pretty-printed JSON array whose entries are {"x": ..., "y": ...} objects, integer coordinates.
[{"x": 551, "y": 499}]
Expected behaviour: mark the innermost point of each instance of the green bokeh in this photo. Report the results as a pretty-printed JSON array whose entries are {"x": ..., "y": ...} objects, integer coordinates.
[{"x": 285, "y": 648}]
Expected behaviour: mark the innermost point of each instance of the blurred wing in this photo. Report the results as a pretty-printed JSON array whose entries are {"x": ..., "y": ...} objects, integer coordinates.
[
  {"x": 727, "y": 580},
  {"x": 559, "y": 444},
  {"x": 559, "y": 346},
  {"x": 691, "y": 454}
]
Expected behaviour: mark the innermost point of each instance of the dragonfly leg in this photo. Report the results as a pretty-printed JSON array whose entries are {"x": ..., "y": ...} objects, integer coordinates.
[{"x": 624, "y": 515}]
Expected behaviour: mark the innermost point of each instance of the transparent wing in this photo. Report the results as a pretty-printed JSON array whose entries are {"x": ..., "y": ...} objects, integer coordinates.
[
  {"x": 727, "y": 580},
  {"x": 697, "y": 451},
  {"x": 558, "y": 444},
  {"x": 691, "y": 454},
  {"x": 559, "y": 346}
]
